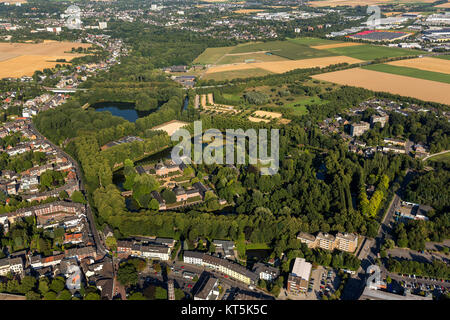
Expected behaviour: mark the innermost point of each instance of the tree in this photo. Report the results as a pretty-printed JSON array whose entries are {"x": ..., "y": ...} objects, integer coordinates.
[
  {"x": 127, "y": 274},
  {"x": 57, "y": 284},
  {"x": 31, "y": 295},
  {"x": 77, "y": 196},
  {"x": 64, "y": 295},
  {"x": 50, "y": 295},
  {"x": 160, "y": 293},
  {"x": 92, "y": 296},
  {"x": 137, "y": 296},
  {"x": 169, "y": 196},
  {"x": 43, "y": 285},
  {"x": 27, "y": 284}
]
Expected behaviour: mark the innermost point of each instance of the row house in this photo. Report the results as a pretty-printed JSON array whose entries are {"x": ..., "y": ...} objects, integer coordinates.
[
  {"x": 232, "y": 269},
  {"x": 148, "y": 251},
  {"x": 81, "y": 253}
]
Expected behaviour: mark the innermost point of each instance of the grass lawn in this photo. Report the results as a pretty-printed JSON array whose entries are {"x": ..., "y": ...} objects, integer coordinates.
[
  {"x": 286, "y": 49},
  {"x": 232, "y": 97},
  {"x": 211, "y": 55},
  {"x": 257, "y": 246},
  {"x": 410, "y": 72},
  {"x": 441, "y": 158},
  {"x": 309, "y": 41},
  {"x": 446, "y": 57},
  {"x": 228, "y": 75},
  {"x": 371, "y": 52},
  {"x": 254, "y": 57}
]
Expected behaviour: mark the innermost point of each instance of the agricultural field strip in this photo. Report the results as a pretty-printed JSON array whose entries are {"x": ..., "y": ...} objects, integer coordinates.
[
  {"x": 379, "y": 81},
  {"x": 425, "y": 63},
  {"x": 284, "y": 66},
  {"x": 410, "y": 72}
]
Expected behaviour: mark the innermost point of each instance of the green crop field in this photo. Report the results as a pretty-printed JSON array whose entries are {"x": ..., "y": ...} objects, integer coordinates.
[
  {"x": 286, "y": 49},
  {"x": 308, "y": 41},
  {"x": 446, "y": 57},
  {"x": 410, "y": 72},
  {"x": 371, "y": 52}
]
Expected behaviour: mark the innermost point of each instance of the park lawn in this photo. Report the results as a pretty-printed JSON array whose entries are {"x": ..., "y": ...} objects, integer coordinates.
[
  {"x": 410, "y": 72},
  {"x": 371, "y": 52},
  {"x": 286, "y": 49},
  {"x": 211, "y": 55},
  {"x": 309, "y": 41},
  {"x": 441, "y": 158}
]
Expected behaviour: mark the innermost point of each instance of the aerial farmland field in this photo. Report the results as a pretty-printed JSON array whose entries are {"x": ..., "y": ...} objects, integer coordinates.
[
  {"x": 15, "y": 63},
  {"x": 387, "y": 82},
  {"x": 286, "y": 49},
  {"x": 410, "y": 72},
  {"x": 371, "y": 52},
  {"x": 425, "y": 63}
]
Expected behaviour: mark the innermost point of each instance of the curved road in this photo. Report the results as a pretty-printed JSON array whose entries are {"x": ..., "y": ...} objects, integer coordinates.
[{"x": 101, "y": 250}]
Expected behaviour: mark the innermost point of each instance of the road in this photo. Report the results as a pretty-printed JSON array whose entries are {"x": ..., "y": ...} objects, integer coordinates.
[
  {"x": 101, "y": 250},
  {"x": 355, "y": 285}
]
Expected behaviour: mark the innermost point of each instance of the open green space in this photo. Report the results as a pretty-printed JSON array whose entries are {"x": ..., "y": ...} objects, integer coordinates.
[
  {"x": 446, "y": 57},
  {"x": 286, "y": 49},
  {"x": 309, "y": 41},
  {"x": 211, "y": 55},
  {"x": 228, "y": 75},
  {"x": 410, "y": 72},
  {"x": 371, "y": 52},
  {"x": 441, "y": 158}
]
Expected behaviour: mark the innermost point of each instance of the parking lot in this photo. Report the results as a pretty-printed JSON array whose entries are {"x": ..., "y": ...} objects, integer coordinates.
[
  {"x": 322, "y": 282},
  {"x": 417, "y": 287}
]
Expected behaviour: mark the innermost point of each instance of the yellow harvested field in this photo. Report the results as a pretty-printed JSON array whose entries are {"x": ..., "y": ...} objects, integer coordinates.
[
  {"x": 261, "y": 113},
  {"x": 380, "y": 81},
  {"x": 426, "y": 63},
  {"x": 354, "y": 3},
  {"x": 337, "y": 45},
  {"x": 285, "y": 66},
  {"x": 245, "y": 11},
  {"x": 443, "y": 5},
  {"x": 252, "y": 119},
  {"x": 171, "y": 126},
  {"x": 23, "y": 59}
]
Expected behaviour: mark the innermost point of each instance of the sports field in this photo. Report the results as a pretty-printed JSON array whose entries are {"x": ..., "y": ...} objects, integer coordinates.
[
  {"x": 371, "y": 52},
  {"x": 23, "y": 59},
  {"x": 387, "y": 82},
  {"x": 410, "y": 72}
]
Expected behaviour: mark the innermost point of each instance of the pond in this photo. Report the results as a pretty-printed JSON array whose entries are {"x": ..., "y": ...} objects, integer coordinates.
[{"x": 121, "y": 109}]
